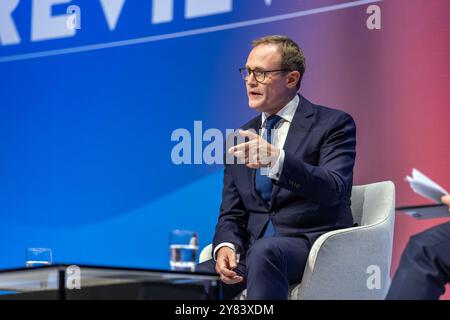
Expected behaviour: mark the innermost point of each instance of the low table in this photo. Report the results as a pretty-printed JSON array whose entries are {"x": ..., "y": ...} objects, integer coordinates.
[{"x": 67, "y": 282}]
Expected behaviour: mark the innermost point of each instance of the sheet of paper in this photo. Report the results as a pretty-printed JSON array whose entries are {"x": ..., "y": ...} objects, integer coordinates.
[{"x": 425, "y": 187}]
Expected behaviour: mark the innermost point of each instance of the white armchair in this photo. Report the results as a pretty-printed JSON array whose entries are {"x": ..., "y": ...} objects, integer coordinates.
[{"x": 351, "y": 263}]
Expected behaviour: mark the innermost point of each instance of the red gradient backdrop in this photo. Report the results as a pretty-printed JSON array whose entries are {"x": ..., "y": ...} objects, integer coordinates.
[{"x": 396, "y": 83}]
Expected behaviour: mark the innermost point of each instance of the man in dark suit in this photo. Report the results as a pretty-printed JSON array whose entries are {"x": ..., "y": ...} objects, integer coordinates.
[
  {"x": 292, "y": 182},
  {"x": 424, "y": 268}
]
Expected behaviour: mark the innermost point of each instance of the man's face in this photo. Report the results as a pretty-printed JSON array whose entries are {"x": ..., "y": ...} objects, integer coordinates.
[{"x": 272, "y": 94}]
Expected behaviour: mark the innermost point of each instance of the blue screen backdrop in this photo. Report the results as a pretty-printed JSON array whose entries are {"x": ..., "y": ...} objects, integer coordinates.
[{"x": 86, "y": 123}]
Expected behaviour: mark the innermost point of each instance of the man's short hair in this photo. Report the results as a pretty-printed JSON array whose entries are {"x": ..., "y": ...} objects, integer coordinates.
[{"x": 292, "y": 56}]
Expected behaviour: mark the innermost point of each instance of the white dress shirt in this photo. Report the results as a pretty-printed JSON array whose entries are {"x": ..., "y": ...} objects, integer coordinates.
[{"x": 278, "y": 139}]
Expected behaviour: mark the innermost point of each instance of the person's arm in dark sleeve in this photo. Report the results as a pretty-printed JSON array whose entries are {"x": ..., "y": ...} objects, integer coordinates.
[
  {"x": 331, "y": 180},
  {"x": 233, "y": 217}
]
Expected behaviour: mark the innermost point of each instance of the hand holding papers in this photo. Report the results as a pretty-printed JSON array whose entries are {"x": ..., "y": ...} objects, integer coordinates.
[
  {"x": 429, "y": 189},
  {"x": 425, "y": 187}
]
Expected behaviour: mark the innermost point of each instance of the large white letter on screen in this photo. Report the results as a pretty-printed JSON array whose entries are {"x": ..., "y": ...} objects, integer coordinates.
[
  {"x": 199, "y": 8},
  {"x": 45, "y": 26},
  {"x": 8, "y": 31},
  {"x": 112, "y": 10},
  {"x": 162, "y": 11}
]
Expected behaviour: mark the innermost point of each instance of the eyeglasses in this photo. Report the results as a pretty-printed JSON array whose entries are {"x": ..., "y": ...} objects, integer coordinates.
[{"x": 260, "y": 75}]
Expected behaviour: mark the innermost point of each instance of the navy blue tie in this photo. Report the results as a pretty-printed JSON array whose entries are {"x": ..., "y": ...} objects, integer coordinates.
[{"x": 263, "y": 184}]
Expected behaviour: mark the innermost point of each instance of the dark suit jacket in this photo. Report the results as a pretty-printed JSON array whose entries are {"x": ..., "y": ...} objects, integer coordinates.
[{"x": 313, "y": 192}]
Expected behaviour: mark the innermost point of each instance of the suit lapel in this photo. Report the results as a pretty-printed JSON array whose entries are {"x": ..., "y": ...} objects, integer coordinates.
[{"x": 301, "y": 123}]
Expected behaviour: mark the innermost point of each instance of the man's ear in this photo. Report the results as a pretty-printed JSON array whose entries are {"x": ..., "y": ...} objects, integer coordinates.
[{"x": 292, "y": 79}]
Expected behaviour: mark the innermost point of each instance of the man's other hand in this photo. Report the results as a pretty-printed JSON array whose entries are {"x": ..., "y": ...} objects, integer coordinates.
[{"x": 225, "y": 264}]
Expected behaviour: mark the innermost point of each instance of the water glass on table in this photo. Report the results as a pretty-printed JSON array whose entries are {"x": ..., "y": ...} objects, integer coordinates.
[
  {"x": 183, "y": 250},
  {"x": 38, "y": 257}
]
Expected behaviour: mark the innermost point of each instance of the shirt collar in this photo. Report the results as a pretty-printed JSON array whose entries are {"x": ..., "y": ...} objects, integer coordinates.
[{"x": 287, "y": 112}]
